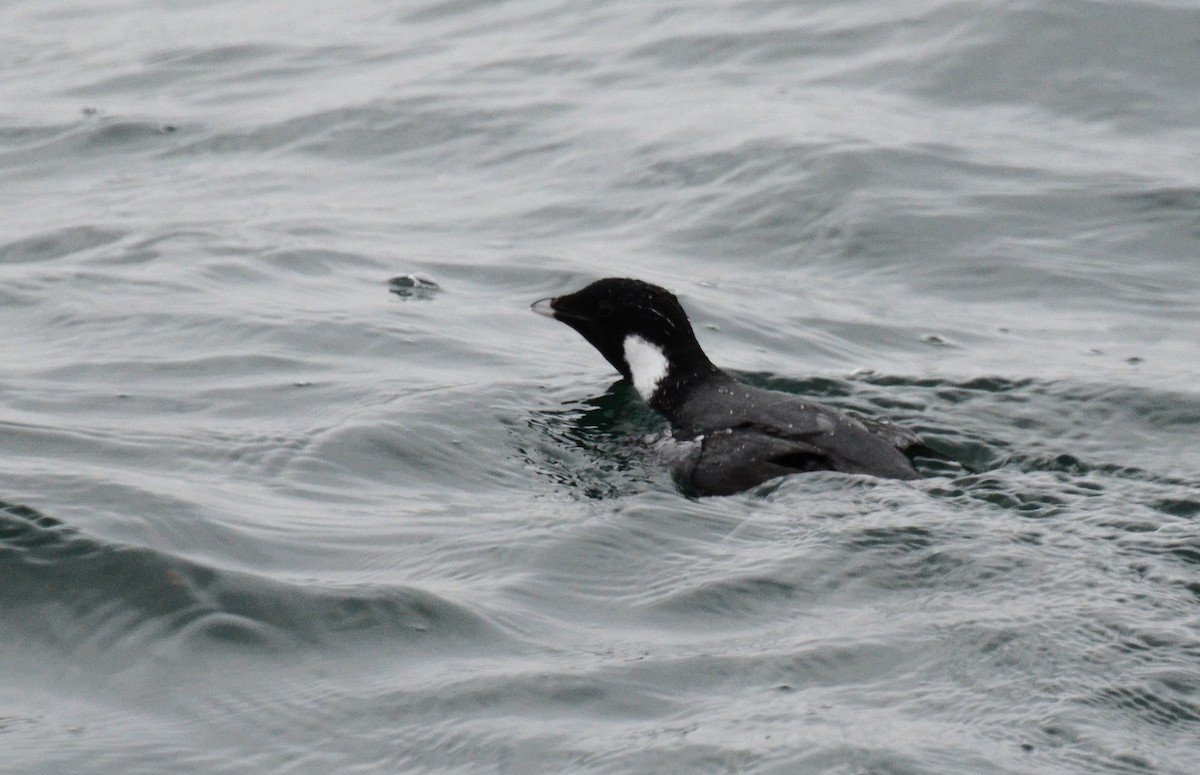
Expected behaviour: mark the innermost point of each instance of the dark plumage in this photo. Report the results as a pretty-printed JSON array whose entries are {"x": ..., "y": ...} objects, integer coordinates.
[{"x": 733, "y": 435}]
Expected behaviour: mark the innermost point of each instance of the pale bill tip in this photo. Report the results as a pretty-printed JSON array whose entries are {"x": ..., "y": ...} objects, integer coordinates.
[{"x": 543, "y": 307}]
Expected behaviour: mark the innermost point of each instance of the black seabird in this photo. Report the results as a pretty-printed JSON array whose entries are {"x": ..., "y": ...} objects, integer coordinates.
[{"x": 732, "y": 435}]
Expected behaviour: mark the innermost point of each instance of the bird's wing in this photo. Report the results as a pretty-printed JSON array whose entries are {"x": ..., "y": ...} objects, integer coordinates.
[{"x": 734, "y": 459}]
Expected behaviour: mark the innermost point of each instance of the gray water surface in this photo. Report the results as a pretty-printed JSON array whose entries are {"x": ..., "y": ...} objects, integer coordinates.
[{"x": 293, "y": 481}]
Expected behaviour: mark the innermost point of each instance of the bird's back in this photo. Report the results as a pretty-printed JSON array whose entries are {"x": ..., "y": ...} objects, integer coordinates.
[{"x": 751, "y": 435}]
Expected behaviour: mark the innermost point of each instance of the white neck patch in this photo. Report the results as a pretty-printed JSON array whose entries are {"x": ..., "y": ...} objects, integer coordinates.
[{"x": 647, "y": 365}]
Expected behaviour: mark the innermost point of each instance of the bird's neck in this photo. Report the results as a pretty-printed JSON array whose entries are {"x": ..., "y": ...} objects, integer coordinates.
[
  {"x": 678, "y": 384},
  {"x": 664, "y": 376}
]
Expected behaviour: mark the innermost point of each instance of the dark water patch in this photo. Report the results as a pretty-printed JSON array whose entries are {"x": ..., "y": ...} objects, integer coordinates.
[
  {"x": 315, "y": 262},
  {"x": 901, "y": 565},
  {"x": 1031, "y": 422},
  {"x": 201, "y": 68},
  {"x": 1074, "y": 478},
  {"x": 1165, "y": 201},
  {"x": 546, "y": 694},
  {"x": 745, "y": 598},
  {"x": 1167, "y": 236},
  {"x": 90, "y": 297},
  {"x": 19, "y": 137},
  {"x": 871, "y": 393},
  {"x": 91, "y": 139},
  {"x": 59, "y": 244},
  {"x": 10, "y": 297},
  {"x": 899, "y": 538},
  {"x": 1148, "y": 643},
  {"x": 1122, "y": 82},
  {"x": 116, "y": 597},
  {"x": 24, "y": 528},
  {"x": 116, "y": 134},
  {"x": 15, "y": 723},
  {"x": 415, "y": 453},
  {"x": 698, "y": 50},
  {"x": 1159, "y": 548},
  {"x": 190, "y": 371},
  {"x": 1147, "y": 634},
  {"x": 1181, "y": 682},
  {"x": 831, "y": 548},
  {"x": 1149, "y": 705},
  {"x": 1101, "y": 759},
  {"x": 769, "y": 223},
  {"x": 596, "y": 447},
  {"x": 145, "y": 249},
  {"x": 1005, "y": 493},
  {"x": 836, "y": 214},
  {"x": 104, "y": 135},
  {"x": 817, "y": 387},
  {"x": 414, "y": 126},
  {"x": 558, "y": 64},
  {"x": 951, "y": 390},
  {"x": 237, "y": 56},
  {"x": 733, "y": 166},
  {"x": 1120, "y": 502},
  {"x": 326, "y": 131},
  {"x": 1189, "y": 552},
  {"x": 543, "y": 221},
  {"x": 1159, "y": 408},
  {"x": 405, "y": 128},
  {"x": 443, "y": 9}
]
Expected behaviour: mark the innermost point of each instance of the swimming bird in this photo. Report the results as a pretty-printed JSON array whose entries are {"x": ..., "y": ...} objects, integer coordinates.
[{"x": 729, "y": 436}]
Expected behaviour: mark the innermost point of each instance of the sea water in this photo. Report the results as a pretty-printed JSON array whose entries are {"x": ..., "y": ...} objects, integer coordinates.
[{"x": 292, "y": 480}]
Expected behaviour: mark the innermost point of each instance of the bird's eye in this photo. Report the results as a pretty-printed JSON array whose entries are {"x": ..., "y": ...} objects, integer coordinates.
[{"x": 605, "y": 309}]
